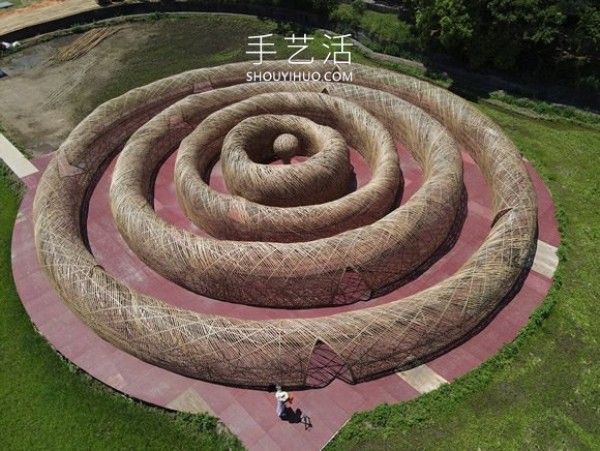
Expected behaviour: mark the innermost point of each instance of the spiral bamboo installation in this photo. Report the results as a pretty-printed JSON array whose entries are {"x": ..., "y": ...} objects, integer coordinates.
[
  {"x": 285, "y": 244},
  {"x": 324, "y": 177}
]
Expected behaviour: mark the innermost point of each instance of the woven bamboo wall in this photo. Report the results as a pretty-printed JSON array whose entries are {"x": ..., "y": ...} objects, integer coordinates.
[{"x": 296, "y": 256}]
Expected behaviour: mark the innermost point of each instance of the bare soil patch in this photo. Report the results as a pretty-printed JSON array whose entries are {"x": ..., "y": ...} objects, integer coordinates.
[
  {"x": 39, "y": 93},
  {"x": 51, "y": 86},
  {"x": 21, "y": 6}
]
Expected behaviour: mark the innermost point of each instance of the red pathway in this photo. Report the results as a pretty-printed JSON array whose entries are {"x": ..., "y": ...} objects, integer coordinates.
[{"x": 247, "y": 413}]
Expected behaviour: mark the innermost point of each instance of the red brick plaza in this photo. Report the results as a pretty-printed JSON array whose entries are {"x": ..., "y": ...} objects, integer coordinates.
[{"x": 247, "y": 413}]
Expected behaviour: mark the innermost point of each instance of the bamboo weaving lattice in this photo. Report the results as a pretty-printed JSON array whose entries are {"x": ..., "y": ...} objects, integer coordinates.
[{"x": 290, "y": 236}]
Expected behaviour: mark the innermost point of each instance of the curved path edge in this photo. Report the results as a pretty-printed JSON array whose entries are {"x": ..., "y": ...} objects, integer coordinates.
[{"x": 248, "y": 413}]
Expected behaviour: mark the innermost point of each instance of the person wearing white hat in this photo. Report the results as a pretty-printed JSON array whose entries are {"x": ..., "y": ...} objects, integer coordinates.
[{"x": 282, "y": 399}]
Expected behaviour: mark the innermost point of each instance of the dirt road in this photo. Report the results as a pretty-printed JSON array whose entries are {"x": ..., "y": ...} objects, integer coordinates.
[{"x": 42, "y": 12}]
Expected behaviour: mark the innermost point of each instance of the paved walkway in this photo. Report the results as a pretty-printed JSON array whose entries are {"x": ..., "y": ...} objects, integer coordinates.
[
  {"x": 14, "y": 159},
  {"x": 251, "y": 414}
]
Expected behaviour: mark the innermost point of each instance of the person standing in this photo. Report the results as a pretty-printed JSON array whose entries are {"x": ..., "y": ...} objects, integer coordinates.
[{"x": 282, "y": 398}]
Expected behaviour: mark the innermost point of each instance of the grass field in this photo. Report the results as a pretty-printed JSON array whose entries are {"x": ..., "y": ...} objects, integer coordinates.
[
  {"x": 541, "y": 392},
  {"x": 381, "y": 32},
  {"x": 47, "y": 404},
  {"x": 179, "y": 42}
]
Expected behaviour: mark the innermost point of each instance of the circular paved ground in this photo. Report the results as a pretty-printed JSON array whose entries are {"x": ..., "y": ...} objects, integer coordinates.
[
  {"x": 197, "y": 110},
  {"x": 112, "y": 257},
  {"x": 249, "y": 413}
]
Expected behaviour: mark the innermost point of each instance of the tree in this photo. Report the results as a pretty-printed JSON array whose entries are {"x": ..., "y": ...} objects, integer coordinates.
[
  {"x": 444, "y": 25},
  {"x": 325, "y": 7},
  {"x": 496, "y": 33}
]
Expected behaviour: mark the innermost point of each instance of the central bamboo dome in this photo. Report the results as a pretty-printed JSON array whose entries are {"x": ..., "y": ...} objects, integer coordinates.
[
  {"x": 293, "y": 235},
  {"x": 262, "y": 139}
]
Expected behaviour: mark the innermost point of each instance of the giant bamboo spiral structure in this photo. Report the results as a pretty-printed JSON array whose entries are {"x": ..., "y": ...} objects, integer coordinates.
[{"x": 286, "y": 236}]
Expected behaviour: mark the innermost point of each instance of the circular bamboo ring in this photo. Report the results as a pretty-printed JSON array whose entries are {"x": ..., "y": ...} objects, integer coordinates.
[
  {"x": 360, "y": 345},
  {"x": 258, "y": 140},
  {"x": 340, "y": 269}
]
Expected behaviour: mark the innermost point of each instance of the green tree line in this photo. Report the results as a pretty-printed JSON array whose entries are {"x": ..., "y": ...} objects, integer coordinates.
[{"x": 548, "y": 39}]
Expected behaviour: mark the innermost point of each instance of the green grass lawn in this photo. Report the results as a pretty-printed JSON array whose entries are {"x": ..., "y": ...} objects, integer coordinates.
[
  {"x": 382, "y": 32},
  {"x": 46, "y": 404},
  {"x": 541, "y": 392},
  {"x": 178, "y": 43}
]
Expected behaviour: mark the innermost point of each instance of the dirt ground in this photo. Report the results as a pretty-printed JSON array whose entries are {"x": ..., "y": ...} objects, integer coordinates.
[
  {"x": 43, "y": 98},
  {"x": 26, "y": 6},
  {"x": 36, "y": 12},
  {"x": 39, "y": 94}
]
